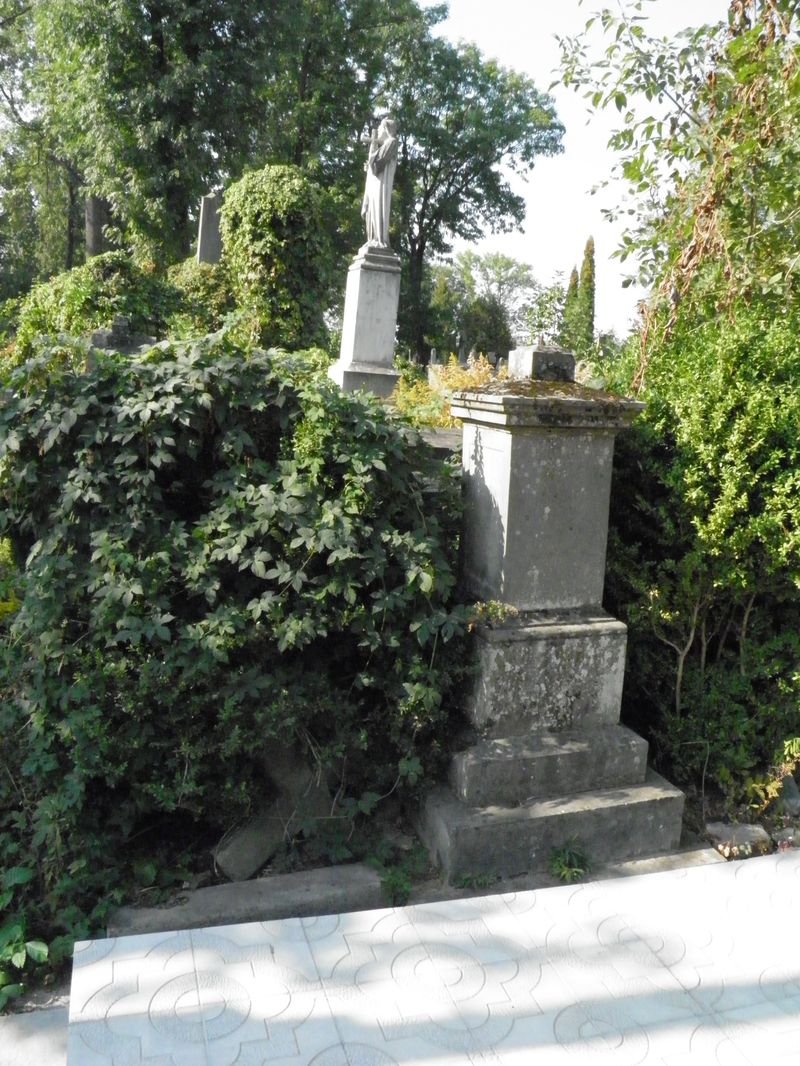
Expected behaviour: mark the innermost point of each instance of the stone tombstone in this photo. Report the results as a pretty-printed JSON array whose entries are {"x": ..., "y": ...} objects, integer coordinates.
[
  {"x": 541, "y": 362},
  {"x": 97, "y": 215},
  {"x": 372, "y": 295},
  {"x": 551, "y": 760},
  {"x": 209, "y": 242}
]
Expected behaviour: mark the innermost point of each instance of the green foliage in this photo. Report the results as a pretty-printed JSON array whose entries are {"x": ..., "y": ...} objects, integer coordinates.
[
  {"x": 424, "y": 404},
  {"x": 703, "y": 553},
  {"x": 486, "y": 327},
  {"x": 545, "y": 313},
  {"x": 9, "y": 582},
  {"x": 88, "y": 297},
  {"x": 17, "y": 953},
  {"x": 40, "y": 205},
  {"x": 586, "y": 294},
  {"x": 205, "y": 298},
  {"x": 421, "y": 404},
  {"x": 195, "y": 527},
  {"x": 150, "y": 102},
  {"x": 714, "y": 170},
  {"x": 477, "y": 881},
  {"x": 705, "y": 549},
  {"x": 278, "y": 254},
  {"x": 479, "y": 302},
  {"x": 9, "y": 313},
  {"x": 399, "y": 871},
  {"x": 569, "y": 862},
  {"x": 576, "y": 330}
]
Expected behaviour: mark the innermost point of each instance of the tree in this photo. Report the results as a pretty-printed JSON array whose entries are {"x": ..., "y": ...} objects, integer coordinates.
[
  {"x": 328, "y": 62},
  {"x": 462, "y": 120},
  {"x": 577, "y": 316},
  {"x": 277, "y": 252},
  {"x": 545, "y": 314},
  {"x": 586, "y": 295},
  {"x": 478, "y": 287},
  {"x": 152, "y": 103},
  {"x": 570, "y": 312},
  {"x": 713, "y": 169},
  {"x": 485, "y": 327},
  {"x": 509, "y": 281},
  {"x": 39, "y": 185}
]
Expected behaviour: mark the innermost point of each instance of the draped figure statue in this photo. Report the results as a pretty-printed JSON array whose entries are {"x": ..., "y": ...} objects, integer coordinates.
[{"x": 380, "y": 168}]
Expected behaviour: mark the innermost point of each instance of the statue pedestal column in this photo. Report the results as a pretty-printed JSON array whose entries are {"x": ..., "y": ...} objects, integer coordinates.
[
  {"x": 370, "y": 319},
  {"x": 549, "y": 760}
]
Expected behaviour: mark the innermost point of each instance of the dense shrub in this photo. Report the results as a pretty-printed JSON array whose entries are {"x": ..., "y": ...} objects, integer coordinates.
[
  {"x": 216, "y": 549},
  {"x": 278, "y": 253},
  {"x": 89, "y": 296},
  {"x": 424, "y": 404},
  {"x": 705, "y": 551},
  {"x": 205, "y": 298},
  {"x": 9, "y": 313}
]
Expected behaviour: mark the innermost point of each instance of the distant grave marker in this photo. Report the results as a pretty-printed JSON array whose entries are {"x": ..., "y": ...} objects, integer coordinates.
[{"x": 209, "y": 242}]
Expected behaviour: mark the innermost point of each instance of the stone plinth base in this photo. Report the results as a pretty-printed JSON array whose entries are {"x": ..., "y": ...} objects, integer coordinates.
[
  {"x": 548, "y": 671},
  {"x": 355, "y": 377},
  {"x": 609, "y": 824},
  {"x": 370, "y": 321}
]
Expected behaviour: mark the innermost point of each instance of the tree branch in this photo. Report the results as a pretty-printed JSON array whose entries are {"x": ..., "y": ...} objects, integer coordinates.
[{"x": 9, "y": 20}]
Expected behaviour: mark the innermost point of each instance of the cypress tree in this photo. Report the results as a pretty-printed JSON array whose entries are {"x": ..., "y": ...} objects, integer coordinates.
[
  {"x": 586, "y": 295},
  {"x": 572, "y": 289},
  {"x": 569, "y": 312}
]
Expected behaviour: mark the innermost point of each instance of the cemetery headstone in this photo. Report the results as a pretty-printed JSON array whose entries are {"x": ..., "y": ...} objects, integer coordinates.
[
  {"x": 209, "y": 242},
  {"x": 552, "y": 762}
]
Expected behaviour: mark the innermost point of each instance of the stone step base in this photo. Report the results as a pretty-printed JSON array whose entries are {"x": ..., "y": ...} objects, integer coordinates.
[
  {"x": 510, "y": 771},
  {"x": 610, "y": 825}
]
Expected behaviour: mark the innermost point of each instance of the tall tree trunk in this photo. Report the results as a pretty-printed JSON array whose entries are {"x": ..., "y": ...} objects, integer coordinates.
[
  {"x": 72, "y": 198},
  {"x": 416, "y": 310}
]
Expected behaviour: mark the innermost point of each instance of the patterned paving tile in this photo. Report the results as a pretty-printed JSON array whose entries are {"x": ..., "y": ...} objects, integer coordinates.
[{"x": 698, "y": 966}]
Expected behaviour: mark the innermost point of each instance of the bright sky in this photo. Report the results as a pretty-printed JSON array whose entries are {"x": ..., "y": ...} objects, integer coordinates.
[{"x": 561, "y": 211}]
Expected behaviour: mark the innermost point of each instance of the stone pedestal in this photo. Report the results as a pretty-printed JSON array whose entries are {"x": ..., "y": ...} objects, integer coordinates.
[
  {"x": 370, "y": 319},
  {"x": 552, "y": 761}
]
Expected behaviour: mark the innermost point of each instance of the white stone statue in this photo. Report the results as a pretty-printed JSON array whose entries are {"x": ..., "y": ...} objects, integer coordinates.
[{"x": 380, "y": 168}]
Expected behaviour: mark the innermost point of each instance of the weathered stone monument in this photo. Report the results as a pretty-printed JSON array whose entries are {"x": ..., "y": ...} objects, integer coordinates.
[
  {"x": 552, "y": 763},
  {"x": 541, "y": 362},
  {"x": 209, "y": 242},
  {"x": 97, "y": 215},
  {"x": 373, "y": 281}
]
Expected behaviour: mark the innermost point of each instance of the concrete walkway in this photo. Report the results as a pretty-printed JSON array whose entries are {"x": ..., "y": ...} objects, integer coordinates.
[{"x": 699, "y": 965}]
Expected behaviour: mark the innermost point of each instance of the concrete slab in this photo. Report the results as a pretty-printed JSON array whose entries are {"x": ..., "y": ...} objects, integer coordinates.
[
  {"x": 697, "y": 965},
  {"x": 38, "y": 1038},
  {"x": 332, "y": 889}
]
